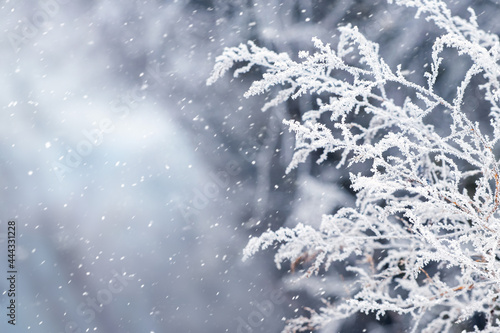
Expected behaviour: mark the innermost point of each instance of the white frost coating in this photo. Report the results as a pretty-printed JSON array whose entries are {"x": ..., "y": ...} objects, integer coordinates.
[{"x": 412, "y": 205}]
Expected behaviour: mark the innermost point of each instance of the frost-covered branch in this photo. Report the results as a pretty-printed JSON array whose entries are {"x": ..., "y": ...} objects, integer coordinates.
[{"x": 415, "y": 207}]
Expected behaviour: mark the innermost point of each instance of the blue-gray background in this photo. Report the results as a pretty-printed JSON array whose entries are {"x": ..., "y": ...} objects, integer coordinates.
[{"x": 168, "y": 194}]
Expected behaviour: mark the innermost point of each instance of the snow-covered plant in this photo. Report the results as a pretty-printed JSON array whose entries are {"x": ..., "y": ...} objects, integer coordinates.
[{"x": 425, "y": 230}]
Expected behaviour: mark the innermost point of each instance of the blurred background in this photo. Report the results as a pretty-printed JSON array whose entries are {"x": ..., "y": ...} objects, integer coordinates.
[{"x": 135, "y": 186}]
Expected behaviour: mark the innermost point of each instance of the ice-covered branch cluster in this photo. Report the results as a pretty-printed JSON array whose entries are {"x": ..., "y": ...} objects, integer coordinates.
[{"x": 425, "y": 230}]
